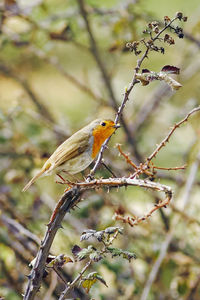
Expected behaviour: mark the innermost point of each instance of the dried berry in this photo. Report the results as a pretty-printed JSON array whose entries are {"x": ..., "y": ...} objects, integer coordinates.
[
  {"x": 166, "y": 37},
  {"x": 167, "y": 19},
  {"x": 156, "y": 29},
  {"x": 181, "y": 35},
  {"x": 155, "y": 23},
  {"x": 179, "y": 15}
]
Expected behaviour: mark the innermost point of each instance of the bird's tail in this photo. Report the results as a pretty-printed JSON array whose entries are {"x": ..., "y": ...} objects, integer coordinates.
[{"x": 27, "y": 186}]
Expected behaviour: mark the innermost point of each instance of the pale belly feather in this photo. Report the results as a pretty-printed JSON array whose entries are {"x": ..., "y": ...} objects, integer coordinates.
[{"x": 76, "y": 164}]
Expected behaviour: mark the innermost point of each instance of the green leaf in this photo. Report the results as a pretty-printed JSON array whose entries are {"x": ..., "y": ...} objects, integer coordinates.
[
  {"x": 112, "y": 230},
  {"x": 95, "y": 256},
  {"x": 85, "y": 252},
  {"x": 125, "y": 254}
]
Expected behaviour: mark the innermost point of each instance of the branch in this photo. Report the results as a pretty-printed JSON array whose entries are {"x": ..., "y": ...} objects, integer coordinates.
[
  {"x": 128, "y": 91},
  {"x": 69, "y": 200},
  {"x": 175, "y": 221},
  {"x": 73, "y": 283},
  {"x": 166, "y": 139},
  {"x": 34, "y": 279},
  {"x": 133, "y": 221}
]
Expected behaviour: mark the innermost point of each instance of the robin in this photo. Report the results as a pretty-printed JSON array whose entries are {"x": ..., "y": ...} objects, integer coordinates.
[{"x": 77, "y": 152}]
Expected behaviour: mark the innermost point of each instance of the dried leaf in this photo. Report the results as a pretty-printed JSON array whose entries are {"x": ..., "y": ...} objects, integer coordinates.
[
  {"x": 88, "y": 283},
  {"x": 100, "y": 278},
  {"x": 145, "y": 71},
  {"x": 175, "y": 85},
  {"x": 12, "y": 7},
  {"x": 145, "y": 78},
  {"x": 91, "y": 278},
  {"x": 170, "y": 69},
  {"x": 75, "y": 250},
  {"x": 64, "y": 34},
  {"x": 59, "y": 261}
]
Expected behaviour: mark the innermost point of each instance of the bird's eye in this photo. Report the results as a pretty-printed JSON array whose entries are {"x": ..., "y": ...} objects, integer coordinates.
[{"x": 103, "y": 124}]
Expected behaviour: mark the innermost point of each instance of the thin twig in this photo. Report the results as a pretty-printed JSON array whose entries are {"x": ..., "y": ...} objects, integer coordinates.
[
  {"x": 170, "y": 169},
  {"x": 127, "y": 93},
  {"x": 73, "y": 283},
  {"x": 128, "y": 160},
  {"x": 133, "y": 221},
  {"x": 166, "y": 139}
]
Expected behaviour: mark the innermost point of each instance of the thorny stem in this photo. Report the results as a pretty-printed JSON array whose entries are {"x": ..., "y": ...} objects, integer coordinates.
[
  {"x": 170, "y": 169},
  {"x": 127, "y": 93},
  {"x": 143, "y": 168},
  {"x": 72, "y": 284},
  {"x": 35, "y": 277},
  {"x": 166, "y": 139},
  {"x": 133, "y": 221},
  {"x": 72, "y": 196}
]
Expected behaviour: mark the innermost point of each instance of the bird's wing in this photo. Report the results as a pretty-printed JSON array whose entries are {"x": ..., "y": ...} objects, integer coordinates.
[{"x": 71, "y": 148}]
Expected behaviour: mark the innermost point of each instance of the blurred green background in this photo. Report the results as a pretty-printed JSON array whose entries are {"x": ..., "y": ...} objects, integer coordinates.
[{"x": 51, "y": 86}]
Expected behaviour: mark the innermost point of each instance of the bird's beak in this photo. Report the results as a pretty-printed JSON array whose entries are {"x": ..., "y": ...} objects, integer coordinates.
[{"x": 117, "y": 125}]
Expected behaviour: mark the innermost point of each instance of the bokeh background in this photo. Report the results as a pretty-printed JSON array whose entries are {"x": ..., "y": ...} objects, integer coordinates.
[{"x": 50, "y": 86}]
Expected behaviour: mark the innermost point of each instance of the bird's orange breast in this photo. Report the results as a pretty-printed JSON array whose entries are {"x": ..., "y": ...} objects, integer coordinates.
[{"x": 100, "y": 135}]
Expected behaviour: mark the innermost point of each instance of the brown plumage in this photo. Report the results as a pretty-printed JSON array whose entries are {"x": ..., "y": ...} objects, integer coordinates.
[{"x": 78, "y": 151}]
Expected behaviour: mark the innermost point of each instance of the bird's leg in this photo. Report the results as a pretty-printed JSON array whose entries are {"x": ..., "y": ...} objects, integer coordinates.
[
  {"x": 63, "y": 180},
  {"x": 72, "y": 176}
]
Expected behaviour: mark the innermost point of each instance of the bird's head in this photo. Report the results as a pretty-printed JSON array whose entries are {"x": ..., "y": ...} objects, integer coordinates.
[{"x": 102, "y": 130}]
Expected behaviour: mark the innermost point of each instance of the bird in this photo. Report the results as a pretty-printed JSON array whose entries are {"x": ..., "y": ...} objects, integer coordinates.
[{"x": 78, "y": 151}]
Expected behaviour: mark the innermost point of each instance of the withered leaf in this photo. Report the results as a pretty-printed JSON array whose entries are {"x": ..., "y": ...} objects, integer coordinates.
[
  {"x": 59, "y": 261},
  {"x": 90, "y": 279},
  {"x": 75, "y": 250},
  {"x": 171, "y": 69}
]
